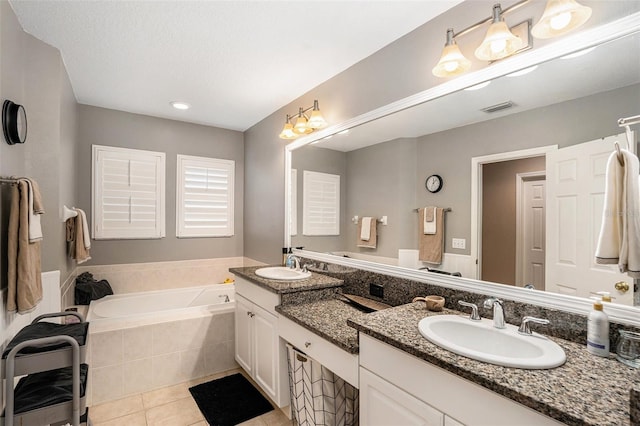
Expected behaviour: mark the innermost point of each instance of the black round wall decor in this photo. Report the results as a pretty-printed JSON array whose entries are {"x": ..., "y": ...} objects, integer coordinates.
[{"x": 14, "y": 122}]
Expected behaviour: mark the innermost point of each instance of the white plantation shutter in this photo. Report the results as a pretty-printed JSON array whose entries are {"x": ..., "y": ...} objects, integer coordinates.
[
  {"x": 128, "y": 193},
  {"x": 320, "y": 204},
  {"x": 204, "y": 198}
]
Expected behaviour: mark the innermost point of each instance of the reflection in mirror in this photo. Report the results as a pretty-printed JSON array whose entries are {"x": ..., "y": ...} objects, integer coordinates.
[{"x": 492, "y": 147}]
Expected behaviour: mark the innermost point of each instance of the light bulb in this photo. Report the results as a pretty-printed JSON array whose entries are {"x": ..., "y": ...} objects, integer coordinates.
[
  {"x": 450, "y": 66},
  {"x": 498, "y": 46},
  {"x": 560, "y": 21}
]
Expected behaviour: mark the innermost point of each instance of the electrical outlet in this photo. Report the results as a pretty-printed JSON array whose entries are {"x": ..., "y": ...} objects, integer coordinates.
[
  {"x": 376, "y": 290},
  {"x": 459, "y": 243}
]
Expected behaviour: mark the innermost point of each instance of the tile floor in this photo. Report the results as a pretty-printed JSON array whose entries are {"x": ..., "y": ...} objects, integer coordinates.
[{"x": 170, "y": 406}]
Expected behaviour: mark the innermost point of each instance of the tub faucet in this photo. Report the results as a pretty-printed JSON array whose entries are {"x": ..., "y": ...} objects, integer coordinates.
[
  {"x": 498, "y": 311},
  {"x": 295, "y": 261},
  {"x": 226, "y": 298}
]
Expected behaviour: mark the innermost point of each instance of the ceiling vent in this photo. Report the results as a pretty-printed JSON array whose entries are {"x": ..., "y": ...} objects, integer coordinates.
[{"x": 498, "y": 107}]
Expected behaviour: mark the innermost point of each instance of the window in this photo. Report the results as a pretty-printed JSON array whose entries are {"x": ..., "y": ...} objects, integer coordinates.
[
  {"x": 320, "y": 204},
  {"x": 128, "y": 193},
  {"x": 204, "y": 197}
]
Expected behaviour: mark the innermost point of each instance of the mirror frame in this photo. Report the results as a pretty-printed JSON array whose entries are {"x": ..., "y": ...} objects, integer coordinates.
[{"x": 622, "y": 27}]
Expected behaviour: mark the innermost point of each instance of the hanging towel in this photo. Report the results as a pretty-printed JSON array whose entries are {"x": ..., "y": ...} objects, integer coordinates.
[
  {"x": 81, "y": 253},
  {"x": 619, "y": 240},
  {"x": 431, "y": 246},
  {"x": 430, "y": 220},
  {"x": 35, "y": 210},
  {"x": 365, "y": 229},
  {"x": 373, "y": 238},
  {"x": 24, "y": 287}
]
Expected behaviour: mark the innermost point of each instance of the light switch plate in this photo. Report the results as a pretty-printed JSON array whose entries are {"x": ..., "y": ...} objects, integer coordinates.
[{"x": 459, "y": 243}]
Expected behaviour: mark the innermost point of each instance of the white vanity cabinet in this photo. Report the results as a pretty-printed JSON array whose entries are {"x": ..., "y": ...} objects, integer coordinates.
[
  {"x": 258, "y": 348},
  {"x": 398, "y": 388}
]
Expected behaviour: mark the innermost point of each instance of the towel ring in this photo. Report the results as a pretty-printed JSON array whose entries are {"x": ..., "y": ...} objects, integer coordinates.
[{"x": 620, "y": 157}]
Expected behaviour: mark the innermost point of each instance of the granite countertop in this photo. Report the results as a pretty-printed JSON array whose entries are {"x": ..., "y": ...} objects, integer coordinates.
[
  {"x": 314, "y": 282},
  {"x": 328, "y": 319},
  {"x": 586, "y": 390}
]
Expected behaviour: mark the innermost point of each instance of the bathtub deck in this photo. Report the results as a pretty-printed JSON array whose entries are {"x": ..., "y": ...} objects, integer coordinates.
[{"x": 170, "y": 406}]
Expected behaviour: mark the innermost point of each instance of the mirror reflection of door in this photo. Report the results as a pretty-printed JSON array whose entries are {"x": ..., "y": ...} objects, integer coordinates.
[
  {"x": 503, "y": 232},
  {"x": 575, "y": 199}
]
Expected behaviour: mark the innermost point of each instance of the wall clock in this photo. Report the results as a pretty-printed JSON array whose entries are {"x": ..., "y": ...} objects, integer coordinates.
[
  {"x": 434, "y": 183},
  {"x": 14, "y": 122}
]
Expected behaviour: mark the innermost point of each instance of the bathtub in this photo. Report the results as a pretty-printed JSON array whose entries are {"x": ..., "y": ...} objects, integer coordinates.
[{"x": 144, "y": 341}]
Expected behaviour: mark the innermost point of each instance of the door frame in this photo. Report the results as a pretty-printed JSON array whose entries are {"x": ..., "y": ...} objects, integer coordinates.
[
  {"x": 476, "y": 193},
  {"x": 521, "y": 178}
]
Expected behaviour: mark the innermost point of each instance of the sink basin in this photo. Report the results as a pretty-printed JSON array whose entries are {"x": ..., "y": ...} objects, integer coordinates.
[
  {"x": 483, "y": 342},
  {"x": 282, "y": 273}
]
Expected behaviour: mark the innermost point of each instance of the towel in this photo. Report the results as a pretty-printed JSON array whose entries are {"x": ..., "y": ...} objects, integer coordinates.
[
  {"x": 80, "y": 250},
  {"x": 373, "y": 237},
  {"x": 431, "y": 245},
  {"x": 85, "y": 229},
  {"x": 35, "y": 210},
  {"x": 365, "y": 229},
  {"x": 430, "y": 221},
  {"x": 24, "y": 287},
  {"x": 619, "y": 239}
]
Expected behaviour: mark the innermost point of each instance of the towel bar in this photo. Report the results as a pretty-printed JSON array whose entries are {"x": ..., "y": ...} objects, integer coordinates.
[
  {"x": 448, "y": 209},
  {"x": 383, "y": 220},
  {"x": 68, "y": 213}
]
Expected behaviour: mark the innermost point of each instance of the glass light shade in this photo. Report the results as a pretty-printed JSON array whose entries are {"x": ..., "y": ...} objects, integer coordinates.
[
  {"x": 452, "y": 62},
  {"x": 301, "y": 126},
  {"x": 560, "y": 17},
  {"x": 498, "y": 43},
  {"x": 316, "y": 121},
  {"x": 287, "y": 132}
]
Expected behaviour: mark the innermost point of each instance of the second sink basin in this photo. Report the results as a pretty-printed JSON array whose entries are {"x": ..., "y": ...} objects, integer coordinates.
[
  {"x": 282, "y": 273},
  {"x": 483, "y": 342}
]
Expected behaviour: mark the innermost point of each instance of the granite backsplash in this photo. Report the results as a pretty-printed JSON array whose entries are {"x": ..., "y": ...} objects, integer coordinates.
[{"x": 398, "y": 291}]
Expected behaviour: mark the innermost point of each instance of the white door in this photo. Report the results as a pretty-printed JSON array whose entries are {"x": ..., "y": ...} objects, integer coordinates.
[
  {"x": 265, "y": 341},
  {"x": 244, "y": 333},
  {"x": 575, "y": 198},
  {"x": 383, "y": 404},
  {"x": 533, "y": 233}
]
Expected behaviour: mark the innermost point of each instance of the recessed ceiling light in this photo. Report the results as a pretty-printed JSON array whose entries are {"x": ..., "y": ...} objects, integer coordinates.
[
  {"x": 579, "y": 53},
  {"x": 522, "y": 72},
  {"x": 479, "y": 86},
  {"x": 180, "y": 105}
]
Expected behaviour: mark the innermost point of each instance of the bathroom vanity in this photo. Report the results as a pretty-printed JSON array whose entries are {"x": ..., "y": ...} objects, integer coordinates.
[{"x": 402, "y": 377}]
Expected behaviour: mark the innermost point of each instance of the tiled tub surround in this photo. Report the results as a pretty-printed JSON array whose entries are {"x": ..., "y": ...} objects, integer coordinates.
[
  {"x": 137, "y": 358},
  {"x": 135, "y": 277},
  {"x": 586, "y": 390}
]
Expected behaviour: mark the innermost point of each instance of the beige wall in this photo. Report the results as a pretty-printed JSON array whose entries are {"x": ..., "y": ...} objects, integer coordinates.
[{"x": 499, "y": 217}]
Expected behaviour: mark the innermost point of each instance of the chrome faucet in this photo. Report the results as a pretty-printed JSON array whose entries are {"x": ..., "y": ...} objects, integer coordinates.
[
  {"x": 295, "y": 261},
  {"x": 524, "y": 326},
  {"x": 226, "y": 298},
  {"x": 474, "y": 310},
  {"x": 498, "y": 311}
]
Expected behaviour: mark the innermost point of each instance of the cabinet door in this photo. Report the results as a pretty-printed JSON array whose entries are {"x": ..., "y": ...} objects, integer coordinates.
[
  {"x": 265, "y": 343},
  {"x": 383, "y": 404},
  {"x": 244, "y": 333}
]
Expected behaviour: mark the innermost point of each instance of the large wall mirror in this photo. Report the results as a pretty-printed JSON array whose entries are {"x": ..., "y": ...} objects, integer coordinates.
[{"x": 492, "y": 146}]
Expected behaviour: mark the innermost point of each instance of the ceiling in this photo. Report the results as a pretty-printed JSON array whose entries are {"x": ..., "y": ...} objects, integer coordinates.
[
  {"x": 610, "y": 66},
  {"x": 234, "y": 62}
]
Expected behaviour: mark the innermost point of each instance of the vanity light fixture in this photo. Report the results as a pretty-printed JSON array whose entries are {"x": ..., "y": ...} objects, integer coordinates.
[
  {"x": 560, "y": 17},
  {"x": 499, "y": 41},
  {"x": 452, "y": 61},
  {"x": 304, "y": 124},
  {"x": 180, "y": 105}
]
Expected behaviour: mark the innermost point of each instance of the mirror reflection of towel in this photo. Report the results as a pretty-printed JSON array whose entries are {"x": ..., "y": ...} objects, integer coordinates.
[
  {"x": 431, "y": 246},
  {"x": 365, "y": 229},
  {"x": 430, "y": 220},
  {"x": 373, "y": 237}
]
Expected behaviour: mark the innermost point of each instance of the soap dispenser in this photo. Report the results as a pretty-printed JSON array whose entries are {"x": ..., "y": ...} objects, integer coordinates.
[{"x": 598, "y": 331}]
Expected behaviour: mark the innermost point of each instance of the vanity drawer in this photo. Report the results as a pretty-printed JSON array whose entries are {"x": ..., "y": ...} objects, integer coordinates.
[{"x": 335, "y": 359}]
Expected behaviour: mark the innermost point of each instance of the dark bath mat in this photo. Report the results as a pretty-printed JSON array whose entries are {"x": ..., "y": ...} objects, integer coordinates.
[{"x": 229, "y": 400}]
